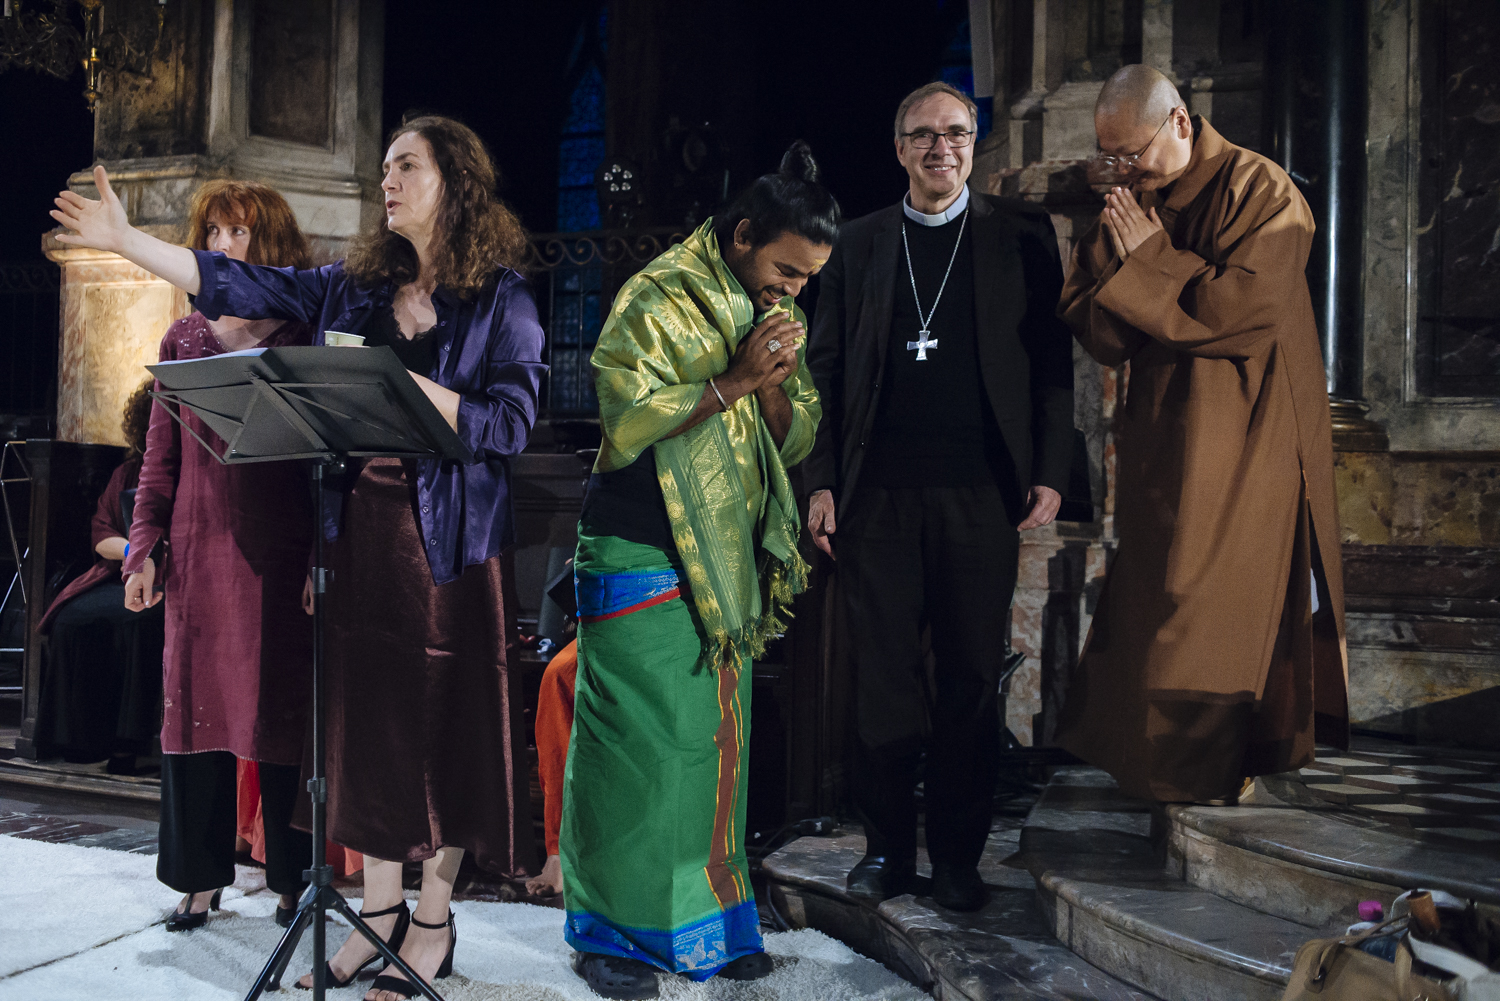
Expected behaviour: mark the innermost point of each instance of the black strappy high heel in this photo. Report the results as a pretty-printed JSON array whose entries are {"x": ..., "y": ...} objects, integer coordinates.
[
  {"x": 397, "y": 937},
  {"x": 187, "y": 921},
  {"x": 404, "y": 987}
]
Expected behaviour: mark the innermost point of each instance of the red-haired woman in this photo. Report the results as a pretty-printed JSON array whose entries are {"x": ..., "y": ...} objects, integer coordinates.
[
  {"x": 230, "y": 545},
  {"x": 426, "y": 748}
]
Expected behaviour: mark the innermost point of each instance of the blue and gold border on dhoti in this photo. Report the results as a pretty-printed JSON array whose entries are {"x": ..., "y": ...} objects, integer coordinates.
[{"x": 696, "y": 951}]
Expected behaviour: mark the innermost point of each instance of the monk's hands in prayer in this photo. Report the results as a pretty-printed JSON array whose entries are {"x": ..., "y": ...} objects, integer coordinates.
[
  {"x": 820, "y": 521},
  {"x": 1045, "y": 503},
  {"x": 140, "y": 588},
  {"x": 1128, "y": 224}
]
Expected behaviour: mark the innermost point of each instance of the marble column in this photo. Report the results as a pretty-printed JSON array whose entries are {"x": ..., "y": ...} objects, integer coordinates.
[
  {"x": 1316, "y": 116},
  {"x": 112, "y": 317},
  {"x": 285, "y": 92}
]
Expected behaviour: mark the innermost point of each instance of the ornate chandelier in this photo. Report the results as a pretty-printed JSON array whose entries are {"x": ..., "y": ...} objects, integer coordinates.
[{"x": 42, "y": 35}]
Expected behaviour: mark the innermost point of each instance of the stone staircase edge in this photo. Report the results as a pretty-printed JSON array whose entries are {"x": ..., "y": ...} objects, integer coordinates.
[{"x": 1064, "y": 887}]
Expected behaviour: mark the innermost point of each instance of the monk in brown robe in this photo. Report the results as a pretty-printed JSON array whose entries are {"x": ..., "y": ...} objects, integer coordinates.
[{"x": 1207, "y": 661}]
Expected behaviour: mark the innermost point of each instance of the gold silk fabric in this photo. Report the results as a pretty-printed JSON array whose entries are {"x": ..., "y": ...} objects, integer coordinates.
[{"x": 735, "y": 521}]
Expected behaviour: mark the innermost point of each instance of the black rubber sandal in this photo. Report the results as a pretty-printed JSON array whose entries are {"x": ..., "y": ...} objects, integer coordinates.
[
  {"x": 616, "y": 977},
  {"x": 398, "y": 936},
  {"x": 404, "y": 987},
  {"x": 749, "y": 967}
]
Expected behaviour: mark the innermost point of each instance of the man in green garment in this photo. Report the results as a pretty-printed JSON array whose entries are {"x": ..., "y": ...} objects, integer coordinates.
[{"x": 687, "y": 555}]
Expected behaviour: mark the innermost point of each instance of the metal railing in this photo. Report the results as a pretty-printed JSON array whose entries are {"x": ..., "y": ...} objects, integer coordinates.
[
  {"x": 576, "y": 277},
  {"x": 28, "y": 337}
]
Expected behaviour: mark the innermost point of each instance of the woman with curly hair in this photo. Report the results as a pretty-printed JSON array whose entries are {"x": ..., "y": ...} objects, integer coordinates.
[
  {"x": 227, "y": 546},
  {"x": 101, "y": 687},
  {"x": 426, "y": 747}
]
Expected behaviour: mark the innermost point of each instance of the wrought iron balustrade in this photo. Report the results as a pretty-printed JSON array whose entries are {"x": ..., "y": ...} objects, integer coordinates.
[{"x": 576, "y": 277}]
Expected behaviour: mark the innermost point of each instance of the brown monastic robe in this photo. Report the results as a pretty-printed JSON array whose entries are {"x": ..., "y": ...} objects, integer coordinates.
[{"x": 1205, "y": 663}]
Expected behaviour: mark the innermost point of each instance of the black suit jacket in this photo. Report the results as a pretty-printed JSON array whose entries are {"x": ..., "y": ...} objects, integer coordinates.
[{"x": 1025, "y": 351}]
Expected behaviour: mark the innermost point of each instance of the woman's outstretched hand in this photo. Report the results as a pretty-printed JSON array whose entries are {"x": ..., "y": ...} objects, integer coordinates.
[{"x": 101, "y": 225}]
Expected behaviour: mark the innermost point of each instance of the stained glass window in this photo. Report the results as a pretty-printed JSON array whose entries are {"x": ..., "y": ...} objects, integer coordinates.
[
  {"x": 957, "y": 69},
  {"x": 582, "y": 146}
]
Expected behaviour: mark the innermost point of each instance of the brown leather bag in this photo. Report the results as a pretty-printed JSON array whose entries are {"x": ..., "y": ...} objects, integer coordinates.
[{"x": 1334, "y": 969}]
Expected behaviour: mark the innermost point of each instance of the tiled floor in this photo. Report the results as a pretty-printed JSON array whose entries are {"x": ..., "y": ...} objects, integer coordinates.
[{"x": 1439, "y": 792}]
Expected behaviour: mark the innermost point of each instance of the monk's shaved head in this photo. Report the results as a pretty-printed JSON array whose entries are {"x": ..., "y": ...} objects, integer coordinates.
[
  {"x": 1144, "y": 132},
  {"x": 1137, "y": 95}
]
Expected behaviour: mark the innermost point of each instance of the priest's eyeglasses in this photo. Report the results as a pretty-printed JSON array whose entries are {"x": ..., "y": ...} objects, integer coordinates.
[
  {"x": 1129, "y": 160},
  {"x": 926, "y": 138}
]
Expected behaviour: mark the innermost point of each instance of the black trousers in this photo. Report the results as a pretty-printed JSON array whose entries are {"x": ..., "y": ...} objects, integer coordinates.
[
  {"x": 101, "y": 690},
  {"x": 196, "y": 838},
  {"x": 909, "y": 560}
]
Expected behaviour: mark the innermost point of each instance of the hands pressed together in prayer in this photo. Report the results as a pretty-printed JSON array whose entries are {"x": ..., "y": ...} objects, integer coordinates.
[
  {"x": 765, "y": 358},
  {"x": 1128, "y": 225}
]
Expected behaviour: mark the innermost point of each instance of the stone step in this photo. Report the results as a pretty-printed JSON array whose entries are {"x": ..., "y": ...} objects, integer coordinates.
[
  {"x": 1314, "y": 867},
  {"x": 16, "y": 771},
  {"x": 1003, "y": 952},
  {"x": 1100, "y": 863}
]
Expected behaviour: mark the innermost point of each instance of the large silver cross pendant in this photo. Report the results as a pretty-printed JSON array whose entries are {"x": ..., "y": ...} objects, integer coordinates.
[{"x": 920, "y": 346}]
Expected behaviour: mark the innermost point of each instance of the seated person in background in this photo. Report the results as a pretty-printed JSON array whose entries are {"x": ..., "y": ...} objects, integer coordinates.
[
  {"x": 554, "y": 725},
  {"x": 101, "y": 688}
]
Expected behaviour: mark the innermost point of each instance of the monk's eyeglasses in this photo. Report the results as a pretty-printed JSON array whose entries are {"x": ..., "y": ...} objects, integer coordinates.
[
  {"x": 926, "y": 138},
  {"x": 1129, "y": 160}
]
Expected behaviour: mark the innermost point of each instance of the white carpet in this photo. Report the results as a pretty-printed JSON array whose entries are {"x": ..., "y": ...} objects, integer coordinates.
[{"x": 84, "y": 924}]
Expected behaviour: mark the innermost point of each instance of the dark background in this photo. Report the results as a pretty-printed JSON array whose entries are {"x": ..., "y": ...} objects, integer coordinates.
[{"x": 829, "y": 71}]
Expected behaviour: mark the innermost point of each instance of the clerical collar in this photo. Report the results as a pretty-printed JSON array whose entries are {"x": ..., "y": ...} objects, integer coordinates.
[{"x": 949, "y": 214}]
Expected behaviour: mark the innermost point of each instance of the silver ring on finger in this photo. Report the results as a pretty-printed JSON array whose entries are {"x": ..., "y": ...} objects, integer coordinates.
[{"x": 773, "y": 345}]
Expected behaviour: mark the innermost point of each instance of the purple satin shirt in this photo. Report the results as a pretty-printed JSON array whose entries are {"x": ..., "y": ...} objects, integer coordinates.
[{"x": 489, "y": 352}]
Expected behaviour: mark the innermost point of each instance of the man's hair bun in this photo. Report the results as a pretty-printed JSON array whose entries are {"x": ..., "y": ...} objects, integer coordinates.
[
  {"x": 798, "y": 162},
  {"x": 788, "y": 201}
]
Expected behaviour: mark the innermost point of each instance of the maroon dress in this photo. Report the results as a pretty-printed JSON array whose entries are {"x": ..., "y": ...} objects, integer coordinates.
[{"x": 237, "y": 672}]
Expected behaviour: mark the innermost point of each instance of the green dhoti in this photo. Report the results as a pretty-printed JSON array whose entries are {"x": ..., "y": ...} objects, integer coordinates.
[{"x": 654, "y": 800}]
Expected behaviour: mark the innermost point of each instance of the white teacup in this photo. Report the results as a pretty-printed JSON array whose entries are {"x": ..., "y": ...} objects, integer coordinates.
[{"x": 339, "y": 339}]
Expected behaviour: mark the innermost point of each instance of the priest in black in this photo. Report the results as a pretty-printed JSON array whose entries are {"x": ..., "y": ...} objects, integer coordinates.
[{"x": 947, "y": 389}]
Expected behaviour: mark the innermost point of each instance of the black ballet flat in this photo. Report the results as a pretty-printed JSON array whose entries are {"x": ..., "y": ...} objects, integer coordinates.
[
  {"x": 405, "y": 988},
  {"x": 286, "y": 915},
  {"x": 186, "y": 921},
  {"x": 398, "y": 936}
]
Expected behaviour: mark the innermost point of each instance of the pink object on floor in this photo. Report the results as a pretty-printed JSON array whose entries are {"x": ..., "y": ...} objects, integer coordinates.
[{"x": 1371, "y": 910}]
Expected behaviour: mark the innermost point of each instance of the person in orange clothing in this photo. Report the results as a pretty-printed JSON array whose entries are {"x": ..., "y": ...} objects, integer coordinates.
[{"x": 554, "y": 725}]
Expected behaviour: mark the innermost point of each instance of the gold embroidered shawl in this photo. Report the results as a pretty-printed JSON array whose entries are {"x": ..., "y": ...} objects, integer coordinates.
[{"x": 734, "y": 518}]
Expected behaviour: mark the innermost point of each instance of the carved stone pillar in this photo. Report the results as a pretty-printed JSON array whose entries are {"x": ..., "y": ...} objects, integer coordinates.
[{"x": 286, "y": 92}]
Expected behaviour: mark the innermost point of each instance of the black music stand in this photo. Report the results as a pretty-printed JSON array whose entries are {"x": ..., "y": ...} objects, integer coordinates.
[{"x": 325, "y": 404}]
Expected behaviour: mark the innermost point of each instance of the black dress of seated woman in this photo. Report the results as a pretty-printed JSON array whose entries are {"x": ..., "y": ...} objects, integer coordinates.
[{"x": 101, "y": 679}]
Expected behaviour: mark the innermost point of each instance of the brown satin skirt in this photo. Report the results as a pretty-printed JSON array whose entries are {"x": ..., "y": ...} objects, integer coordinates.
[{"x": 426, "y": 745}]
